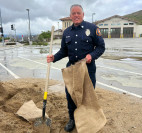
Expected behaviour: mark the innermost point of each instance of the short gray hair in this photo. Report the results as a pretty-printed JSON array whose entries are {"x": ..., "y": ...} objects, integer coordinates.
[{"x": 76, "y": 5}]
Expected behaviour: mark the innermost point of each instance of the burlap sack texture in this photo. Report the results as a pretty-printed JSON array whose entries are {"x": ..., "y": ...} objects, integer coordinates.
[
  {"x": 31, "y": 113},
  {"x": 89, "y": 117}
]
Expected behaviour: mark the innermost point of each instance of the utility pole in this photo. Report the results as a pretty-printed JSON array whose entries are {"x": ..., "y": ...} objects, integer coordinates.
[
  {"x": 58, "y": 29},
  {"x": 13, "y": 28},
  {"x": 29, "y": 36},
  {"x": 92, "y": 16},
  {"x": 15, "y": 33},
  {"x": 1, "y": 29}
]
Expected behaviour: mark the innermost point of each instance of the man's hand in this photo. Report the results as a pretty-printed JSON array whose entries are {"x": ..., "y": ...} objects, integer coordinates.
[
  {"x": 88, "y": 58},
  {"x": 50, "y": 58}
]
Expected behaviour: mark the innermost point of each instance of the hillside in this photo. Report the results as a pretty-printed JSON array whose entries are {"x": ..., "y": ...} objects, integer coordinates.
[{"x": 136, "y": 16}]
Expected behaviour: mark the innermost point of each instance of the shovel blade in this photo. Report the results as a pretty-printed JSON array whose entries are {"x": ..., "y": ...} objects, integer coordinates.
[
  {"x": 39, "y": 121},
  {"x": 43, "y": 128}
]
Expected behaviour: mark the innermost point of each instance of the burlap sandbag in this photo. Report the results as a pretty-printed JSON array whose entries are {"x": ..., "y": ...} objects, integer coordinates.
[
  {"x": 89, "y": 117},
  {"x": 30, "y": 112}
]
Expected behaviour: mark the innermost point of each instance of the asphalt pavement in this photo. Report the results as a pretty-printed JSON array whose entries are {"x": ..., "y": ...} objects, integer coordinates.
[{"x": 119, "y": 69}]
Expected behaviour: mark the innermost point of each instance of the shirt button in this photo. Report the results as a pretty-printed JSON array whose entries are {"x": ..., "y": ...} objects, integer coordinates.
[
  {"x": 76, "y": 56},
  {"x": 76, "y": 49},
  {"x": 75, "y": 42},
  {"x": 87, "y": 41},
  {"x": 76, "y": 35}
]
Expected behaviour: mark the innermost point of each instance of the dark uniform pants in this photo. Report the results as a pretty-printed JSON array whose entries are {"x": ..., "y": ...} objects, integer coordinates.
[{"x": 70, "y": 103}]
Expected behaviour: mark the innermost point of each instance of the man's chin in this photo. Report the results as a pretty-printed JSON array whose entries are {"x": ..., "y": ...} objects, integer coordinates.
[{"x": 76, "y": 23}]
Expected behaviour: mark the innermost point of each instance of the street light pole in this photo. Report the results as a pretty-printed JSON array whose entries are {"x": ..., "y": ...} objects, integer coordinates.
[
  {"x": 92, "y": 16},
  {"x": 58, "y": 29},
  {"x": 29, "y": 28},
  {"x": 2, "y": 28},
  {"x": 15, "y": 33}
]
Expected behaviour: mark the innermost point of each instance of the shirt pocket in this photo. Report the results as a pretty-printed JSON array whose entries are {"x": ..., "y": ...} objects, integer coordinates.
[
  {"x": 87, "y": 39},
  {"x": 68, "y": 44},
  {"x": 87, "y": 43},
  {"x": 68, "y": 40}
]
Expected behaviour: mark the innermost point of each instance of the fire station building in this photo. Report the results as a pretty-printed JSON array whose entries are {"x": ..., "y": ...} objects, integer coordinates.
[
  {"x": 113, "y": 27},
  {"x": 119, "y": 27}
]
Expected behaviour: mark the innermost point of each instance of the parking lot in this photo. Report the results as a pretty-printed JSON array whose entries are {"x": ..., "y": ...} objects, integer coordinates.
[{"x": 119, "y": 69}]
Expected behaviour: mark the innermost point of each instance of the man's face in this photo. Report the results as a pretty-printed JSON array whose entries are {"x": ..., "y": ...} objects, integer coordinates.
[{"x": 76, "y": 15}]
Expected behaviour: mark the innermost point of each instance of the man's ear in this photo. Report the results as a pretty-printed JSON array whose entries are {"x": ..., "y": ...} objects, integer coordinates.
[{"x": 70, "y": 17}]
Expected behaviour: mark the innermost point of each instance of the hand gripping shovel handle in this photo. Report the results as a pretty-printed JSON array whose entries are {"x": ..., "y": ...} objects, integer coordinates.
[{"x": 47, "y": 77}]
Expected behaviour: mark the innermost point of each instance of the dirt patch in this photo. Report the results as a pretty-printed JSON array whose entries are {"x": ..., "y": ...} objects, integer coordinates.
[{"x": 124, "y": 113}]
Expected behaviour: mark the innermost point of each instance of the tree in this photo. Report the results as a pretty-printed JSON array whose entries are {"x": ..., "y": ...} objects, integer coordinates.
[{"x": 44, "y": 36}]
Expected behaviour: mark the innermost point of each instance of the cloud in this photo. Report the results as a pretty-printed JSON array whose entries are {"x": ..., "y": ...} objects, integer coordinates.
[
  {"x": 44, "y": 13},
  {"x": 37, "y": 26}
]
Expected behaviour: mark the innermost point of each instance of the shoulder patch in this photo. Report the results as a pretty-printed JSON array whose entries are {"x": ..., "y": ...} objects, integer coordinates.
[{"x": 98, "y": 33}]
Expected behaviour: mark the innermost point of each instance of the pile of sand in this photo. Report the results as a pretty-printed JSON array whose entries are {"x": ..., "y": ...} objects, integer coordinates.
[{"x": 124, "y": 113}]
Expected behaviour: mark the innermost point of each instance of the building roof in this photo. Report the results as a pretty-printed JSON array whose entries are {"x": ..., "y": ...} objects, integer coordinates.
[
  {"x": 65, "y": 19},
  {"x": 60, "y": 30},
  {"x": 115, "y": 16}
]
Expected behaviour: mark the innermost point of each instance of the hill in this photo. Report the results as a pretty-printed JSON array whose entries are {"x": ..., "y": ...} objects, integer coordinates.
[{"x": 136, "y": 16}]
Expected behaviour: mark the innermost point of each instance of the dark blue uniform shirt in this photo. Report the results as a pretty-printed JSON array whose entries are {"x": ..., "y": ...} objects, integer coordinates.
[{"x": 79, "y": 41}]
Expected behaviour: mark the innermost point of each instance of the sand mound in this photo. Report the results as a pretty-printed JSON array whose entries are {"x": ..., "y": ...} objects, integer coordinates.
[{"x": 124, "y": 113}]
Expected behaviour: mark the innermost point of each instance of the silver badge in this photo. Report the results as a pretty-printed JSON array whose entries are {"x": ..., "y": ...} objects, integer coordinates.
[{"x": 87, "y": 32}]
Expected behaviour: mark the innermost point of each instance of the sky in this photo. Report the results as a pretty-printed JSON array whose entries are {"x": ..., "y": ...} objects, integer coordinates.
[{"x": 45, "y": 13}]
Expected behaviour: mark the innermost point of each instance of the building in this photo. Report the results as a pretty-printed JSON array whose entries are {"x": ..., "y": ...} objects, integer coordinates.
[
  {"x": 113, "y": 27},
  {"x": 119, "y": 27},
  {"x": 58, "y": 34},
  {"x": 66, "y": 22}
]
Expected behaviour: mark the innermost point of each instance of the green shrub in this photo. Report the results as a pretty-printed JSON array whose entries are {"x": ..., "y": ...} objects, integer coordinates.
[
  {"x": 40, "y": 43},
  {"x": 37, "y": 43},
  {"x": 27, "y": 43},
  {"x": 34, "y": 43}
]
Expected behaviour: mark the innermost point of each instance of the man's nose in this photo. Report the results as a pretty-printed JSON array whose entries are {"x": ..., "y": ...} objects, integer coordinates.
[{"x": 76, "y": 14}]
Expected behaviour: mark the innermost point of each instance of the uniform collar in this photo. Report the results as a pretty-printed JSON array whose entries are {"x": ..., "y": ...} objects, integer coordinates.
[{"x": 82, "y": 26}]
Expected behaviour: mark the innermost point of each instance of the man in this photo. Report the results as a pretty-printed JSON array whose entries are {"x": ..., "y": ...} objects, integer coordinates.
[{"x": 79, "y": 41}]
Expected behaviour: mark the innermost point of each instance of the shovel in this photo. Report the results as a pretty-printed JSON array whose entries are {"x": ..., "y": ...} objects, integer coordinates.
[{"x": 45, "y": 121}]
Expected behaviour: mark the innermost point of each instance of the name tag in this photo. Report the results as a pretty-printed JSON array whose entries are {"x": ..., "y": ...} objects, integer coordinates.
[{"x": 67, "y": 36}]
